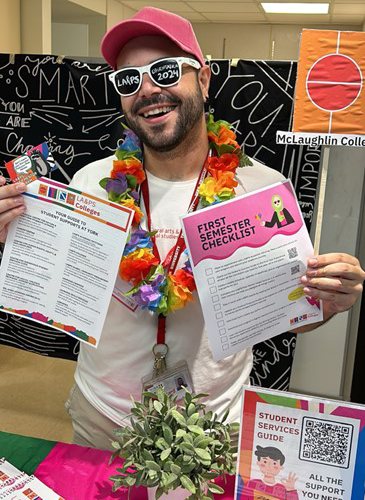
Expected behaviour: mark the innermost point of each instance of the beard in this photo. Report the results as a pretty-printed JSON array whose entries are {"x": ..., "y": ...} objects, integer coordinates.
[{"x": 190, "y": 110}]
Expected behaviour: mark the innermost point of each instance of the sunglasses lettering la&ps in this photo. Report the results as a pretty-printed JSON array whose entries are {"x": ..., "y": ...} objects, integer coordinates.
[{"x": 163, "y": 72}]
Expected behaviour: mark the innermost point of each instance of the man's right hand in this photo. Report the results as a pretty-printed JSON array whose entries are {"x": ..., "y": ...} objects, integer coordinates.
[{"x": 11, "y": 204}]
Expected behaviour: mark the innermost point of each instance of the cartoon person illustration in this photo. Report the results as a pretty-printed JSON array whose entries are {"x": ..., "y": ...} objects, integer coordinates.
[
  {"x": 270, "y": 461},
  {"x": 281, "y": 215}
]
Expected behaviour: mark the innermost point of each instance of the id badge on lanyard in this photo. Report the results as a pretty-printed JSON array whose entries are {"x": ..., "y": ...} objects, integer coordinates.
[{"x": 172, "y": 379}]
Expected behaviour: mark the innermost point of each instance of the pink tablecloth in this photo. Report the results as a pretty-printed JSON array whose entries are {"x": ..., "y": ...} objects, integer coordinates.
[{"x": 80, "y": 473}]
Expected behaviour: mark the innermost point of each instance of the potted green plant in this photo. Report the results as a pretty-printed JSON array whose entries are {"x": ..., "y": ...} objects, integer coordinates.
[{"x": 174, "y": 448}]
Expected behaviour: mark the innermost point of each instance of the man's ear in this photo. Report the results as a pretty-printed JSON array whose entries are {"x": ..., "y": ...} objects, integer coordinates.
[{"x": 204, "y": 80}]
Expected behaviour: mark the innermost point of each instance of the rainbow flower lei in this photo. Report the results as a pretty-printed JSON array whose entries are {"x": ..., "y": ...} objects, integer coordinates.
[{"x": 153, "y": 289}]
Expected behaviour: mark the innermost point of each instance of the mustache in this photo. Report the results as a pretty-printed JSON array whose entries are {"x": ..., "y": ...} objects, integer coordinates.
[{"x": 164, "y": 99}]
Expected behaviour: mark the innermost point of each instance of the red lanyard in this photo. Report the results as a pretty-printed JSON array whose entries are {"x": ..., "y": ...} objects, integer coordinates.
[{"x": 172, "y": 258}]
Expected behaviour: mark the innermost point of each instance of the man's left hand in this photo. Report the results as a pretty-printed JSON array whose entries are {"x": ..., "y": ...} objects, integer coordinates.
[{"x": 335, "y": 278}]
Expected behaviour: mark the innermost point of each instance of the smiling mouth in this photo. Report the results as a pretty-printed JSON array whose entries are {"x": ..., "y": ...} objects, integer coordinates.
[{"x": 157, "y": 112}]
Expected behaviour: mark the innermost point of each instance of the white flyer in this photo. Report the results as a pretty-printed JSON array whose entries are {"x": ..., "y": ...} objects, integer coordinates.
[
  {"x": 61, "y": 259},
  {"x": 32, "y": 489},
  {"x": 248, "y": 255}
]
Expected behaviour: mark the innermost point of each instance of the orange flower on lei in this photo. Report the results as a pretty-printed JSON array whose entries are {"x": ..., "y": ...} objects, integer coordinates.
[
  {"x": 135, "y": 266},
  {"x": 225, "y": 136},
  {"x": 129, "y": 166},
  {"x": 227, "y": 162},
  {"x": 185, "y": 279},
  {"x": 224, "y": 179}
]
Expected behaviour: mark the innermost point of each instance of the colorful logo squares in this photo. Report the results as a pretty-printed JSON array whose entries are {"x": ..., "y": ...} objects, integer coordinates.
[
  {"x": 62, "y": 195},
  {"x": 42, "y": 190},
  {"x": 70, "y": 199},
  {"x": 52, "y": 193}
]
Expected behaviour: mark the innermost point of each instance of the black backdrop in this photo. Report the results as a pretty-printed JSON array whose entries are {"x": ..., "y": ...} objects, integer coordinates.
[{"x": 70, "y": 104}]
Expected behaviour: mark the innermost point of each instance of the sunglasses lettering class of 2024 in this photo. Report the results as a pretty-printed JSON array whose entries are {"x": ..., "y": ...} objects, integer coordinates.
[{"x": 163, "y": 72}]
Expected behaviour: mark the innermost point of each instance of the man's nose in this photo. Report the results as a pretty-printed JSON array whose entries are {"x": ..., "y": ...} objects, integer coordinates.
[{"x": 148, "y": 86}]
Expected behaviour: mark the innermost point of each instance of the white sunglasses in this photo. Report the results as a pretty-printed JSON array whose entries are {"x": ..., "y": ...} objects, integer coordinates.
[{"x": 163, "y": 72}]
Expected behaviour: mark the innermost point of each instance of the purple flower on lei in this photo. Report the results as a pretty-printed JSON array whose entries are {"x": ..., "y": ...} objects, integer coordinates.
[
  {"x": 187, "y": 266},
  {"x": 118, "y": 185},
  {"x": 135, "y": 196},
  {"x": 149, "y": 296},
  {"x": 139, "y": 239}
]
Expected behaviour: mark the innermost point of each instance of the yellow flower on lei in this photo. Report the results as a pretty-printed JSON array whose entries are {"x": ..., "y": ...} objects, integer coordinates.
[
  {"x": 207, "y": 189},
  {"x": 138, "y": 214}
]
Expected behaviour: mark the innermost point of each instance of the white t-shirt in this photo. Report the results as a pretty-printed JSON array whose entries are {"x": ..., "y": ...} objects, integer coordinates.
[{"x": 110, "y": 374}]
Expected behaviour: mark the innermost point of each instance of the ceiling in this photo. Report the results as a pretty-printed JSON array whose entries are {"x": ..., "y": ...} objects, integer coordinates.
[{"x": 348, "y": 12}]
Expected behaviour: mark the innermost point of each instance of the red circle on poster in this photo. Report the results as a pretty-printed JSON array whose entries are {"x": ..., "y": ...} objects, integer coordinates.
[{"x": 334, "y": 82}]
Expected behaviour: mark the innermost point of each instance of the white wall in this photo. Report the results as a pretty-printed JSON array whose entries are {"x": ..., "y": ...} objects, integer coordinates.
[
  {"x": 10, "y": 26},
  {"x": 35, "y": 18},
  {"x": 322, "y": 363},
  {"x": 98, "y": 6},
  {"x": 70, "y": 39},
  {"x": 253, "y": 41},
  {"x": 117, "y": 12},
  {"x": 109, "y": 12}
]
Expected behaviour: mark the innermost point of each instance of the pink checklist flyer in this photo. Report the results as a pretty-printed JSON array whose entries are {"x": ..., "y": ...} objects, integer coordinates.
[{"x": 248, "y": 255}]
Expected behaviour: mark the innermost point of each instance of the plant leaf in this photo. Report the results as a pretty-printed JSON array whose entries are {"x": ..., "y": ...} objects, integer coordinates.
[
  {"x": 234, "y": 427},
  {"x": 175, "y": 469},
  {"x": 200, "y": 395},
  {"x": 165, "y": 454},
  {"x": 203, "y": 442},
  {"x": 178, "y": 417},
  {"x": 153, "y": 466},
  {"x": 196, "y": 429},
  {"x": 172, "y": 477},
  {"x": 132, "y": 180},
  {"x": 210, "y": 475},
  {"x": 193, "y": 419},
  {"x": 104, "y": 182},
  {"x": 130, "y": 480},
  {"x": 187, "y": 448},
  {"x": 214, "y": 488},
  {"x": 203, "y": 454},
  {"x": 162, "y": 444},
  {"x": 180, "y": 433},
  {"x": 187, "y": 484},
  {"x": 158, "y": 406},
  {"x": 167, "y": 433},
  {"x": 159, "y": 493}
]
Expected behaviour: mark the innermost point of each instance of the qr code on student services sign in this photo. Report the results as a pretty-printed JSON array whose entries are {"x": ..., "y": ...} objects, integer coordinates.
[
  {"x": 326, "y": 442},
  {"x": 292, "y": 252}
]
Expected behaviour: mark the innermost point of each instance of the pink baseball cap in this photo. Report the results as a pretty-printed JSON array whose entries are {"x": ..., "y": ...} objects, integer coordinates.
[{"x": 150, "y": 21}]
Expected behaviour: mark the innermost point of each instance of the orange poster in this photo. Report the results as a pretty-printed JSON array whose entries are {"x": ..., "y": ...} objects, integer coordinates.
[{"x": 330, "y": 95}]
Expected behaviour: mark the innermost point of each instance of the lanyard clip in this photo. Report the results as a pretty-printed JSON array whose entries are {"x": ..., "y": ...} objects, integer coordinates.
[{"x": 159, "y": 366}]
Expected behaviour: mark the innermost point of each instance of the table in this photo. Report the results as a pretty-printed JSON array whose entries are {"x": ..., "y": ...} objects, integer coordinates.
[{"x": 74, "y": 472}]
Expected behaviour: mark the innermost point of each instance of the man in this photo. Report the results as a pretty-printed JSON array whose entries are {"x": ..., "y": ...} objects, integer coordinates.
[{"x": 170, "y": 121}]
